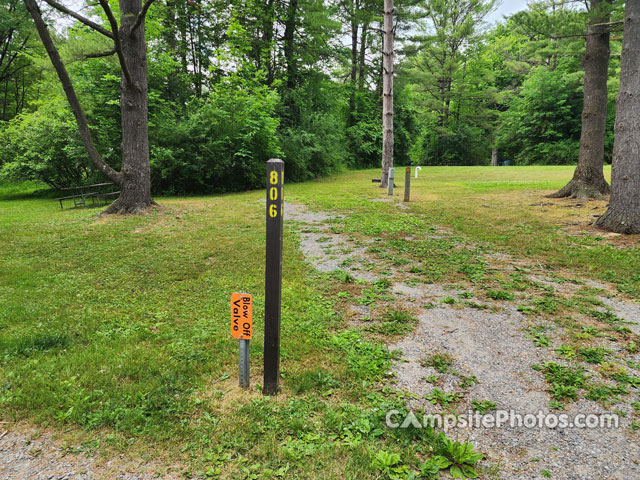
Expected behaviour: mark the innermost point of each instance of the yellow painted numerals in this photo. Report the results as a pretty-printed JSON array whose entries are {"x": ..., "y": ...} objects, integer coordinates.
[{"x": 274, "y": 193}]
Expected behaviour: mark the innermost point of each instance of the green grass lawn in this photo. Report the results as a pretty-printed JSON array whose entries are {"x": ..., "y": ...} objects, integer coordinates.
[{"x": 117, "y": 329}]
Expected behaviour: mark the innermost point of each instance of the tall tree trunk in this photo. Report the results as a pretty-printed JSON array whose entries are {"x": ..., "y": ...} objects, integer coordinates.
[
  {"x": 362, "y": 67},
  {"x": 623, "y": 214},
  {"x": 288, "y": 37},
  {"x": 588, "y": 179},
  {"x": 135, "y": 189},
  {"x": 354, "y": 63},
  {"x": 494, "y": 157},
  {"x": 387, "y": 94},
  {"x": 267, "y": 39}
]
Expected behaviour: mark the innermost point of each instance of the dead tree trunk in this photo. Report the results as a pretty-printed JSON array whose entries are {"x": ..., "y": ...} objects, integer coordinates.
[
  {"x": 623, "y": 214},
  {"x": 588, "y": 179},
  {"x": 494, "y": 157},
  {"x": 134, "y": 179},
  {"x": 387, "y": 94}
]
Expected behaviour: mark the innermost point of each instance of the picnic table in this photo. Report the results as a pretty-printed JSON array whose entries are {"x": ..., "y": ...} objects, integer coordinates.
[{"x": 95, "y": 192}]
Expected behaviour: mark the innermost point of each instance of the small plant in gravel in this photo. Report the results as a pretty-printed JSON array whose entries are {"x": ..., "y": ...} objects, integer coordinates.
[
  {"x": 433, "y": 379},
  {"x": 500, "y": 295},
  {"x": 527, "y": 309},
  {"x": 556, "y": 405},
  {"x": 547, "y": 304},
  {"x": 636, "y": 406},
  {"x": 444, "y": 399},
  {"x": 483, "y": 406},
  {"x": 467, "y": 381},
  {"x": 565, "y": 381},
  {"x": 448, "y": 300},
  {"x": 539, "y": 337},
  {"x": 462, "y": 456},
  {"x": 394, "y": 322},
  {"x": 605, "y": 394},
  {"x": 606, "y": 316},
  {"x": 440, "y": 361},
  {"x": 567, "y": 351},
  {"x": 593, "y": 354}
]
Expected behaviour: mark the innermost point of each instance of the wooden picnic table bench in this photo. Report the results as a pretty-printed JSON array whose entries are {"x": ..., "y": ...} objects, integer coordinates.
[{"x": 94, "y": 192}]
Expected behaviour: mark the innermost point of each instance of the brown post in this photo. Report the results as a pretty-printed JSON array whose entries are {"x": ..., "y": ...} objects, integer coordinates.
[{"x": 407, "y": 183}]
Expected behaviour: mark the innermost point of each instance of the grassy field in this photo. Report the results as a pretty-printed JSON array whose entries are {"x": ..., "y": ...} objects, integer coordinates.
[{"x": 116, "y": 330}]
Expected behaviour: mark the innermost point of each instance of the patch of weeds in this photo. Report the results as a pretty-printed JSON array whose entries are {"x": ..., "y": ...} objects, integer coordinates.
[
  {"x": 547, "y": 304},
  {"x": 633, "y": 347},
  {"x": 556, "y": 405},
  {"x": 636, "y": 406},
  {"x": 605, "y": 394},
  {"x": 527, "y": 309},
  {"x": 462, "y": 456},
  {"x": 389, "y": 465},
  {"x": 591, "y": 331},
  {"x": 593, "y": 354},
  {"x": 565, "y": 381},
  {"x": 342, "y": 276},
  {"x": 395, "y": 322},
  {"x": 465, "y": 295},
  {"x": 545, "y": 473},
  {"x": 467, "y": 381},
  {"x": 312, "y": 380},
  {"x": 539, "y": 337},
  {"x": 500, "y": 295},
  {"x": 444, "y": 399},
  {"x": 364, "y": 358},
  {"x": 433, "y": 379},
  {"x": 483, "y": 406},
  {"x": 448, "y": 300},
  {"x": 440, "y": 361},
  {"x": 567, "y": 351},
  {"x": 477, "y": 306},
  {"x": 323, "y": 239},
  {"x": 606, "y": 316},
  {"x": 474, "y": 270},
  {"x": 429, "y": 306}
]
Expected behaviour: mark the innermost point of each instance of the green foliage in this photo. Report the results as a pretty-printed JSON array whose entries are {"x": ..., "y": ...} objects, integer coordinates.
[
  {"x": 223, "y": 143},
  {"x": 542, "y": 125},
  {"x": 462, "y": 456},
  {"x": 389, "y": 465}
]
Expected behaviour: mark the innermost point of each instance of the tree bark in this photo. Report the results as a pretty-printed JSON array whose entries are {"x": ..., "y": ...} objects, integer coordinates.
[
  {"x": 135, "y": 189},
  {"x": 494, "y": 157},
  {"x": 623, "y": 214},
  {"x": 588, "y": 179},
  {"x": 387, "y": 94}
]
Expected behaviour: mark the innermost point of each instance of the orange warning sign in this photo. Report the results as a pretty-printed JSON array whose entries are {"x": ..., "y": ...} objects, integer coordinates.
[{"x": 241, "y": 316}]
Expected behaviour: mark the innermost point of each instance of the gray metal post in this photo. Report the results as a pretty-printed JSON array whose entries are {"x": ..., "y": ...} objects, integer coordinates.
[
  {"x": 391, "y": 180},
  {"x": 244, "y": 377}
]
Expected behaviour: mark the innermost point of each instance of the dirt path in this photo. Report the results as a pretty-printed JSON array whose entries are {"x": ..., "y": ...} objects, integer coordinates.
[
  {"x": 30, "y": 454},
  {"x": 489, "y": 359}
]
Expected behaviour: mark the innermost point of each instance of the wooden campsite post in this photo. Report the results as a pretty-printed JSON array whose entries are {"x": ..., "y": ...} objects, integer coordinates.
[
  {"x": 407, "y": 183},
  {"x": 273, "y": 276}
]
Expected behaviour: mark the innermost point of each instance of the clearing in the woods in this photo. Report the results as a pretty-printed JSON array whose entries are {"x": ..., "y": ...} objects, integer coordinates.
[{"x": 479, "y": 295}]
